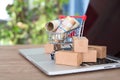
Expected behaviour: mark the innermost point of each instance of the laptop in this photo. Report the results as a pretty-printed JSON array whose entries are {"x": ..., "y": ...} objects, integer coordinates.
[{"x": 44, "y": 62}]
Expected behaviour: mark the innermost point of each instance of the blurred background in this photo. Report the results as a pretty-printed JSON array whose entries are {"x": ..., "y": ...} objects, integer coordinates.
[{"x": 23, "y": 21}]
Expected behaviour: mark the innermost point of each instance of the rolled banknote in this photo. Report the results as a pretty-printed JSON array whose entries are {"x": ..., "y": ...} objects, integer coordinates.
[
  {"x": 53, "y": 25},
  {"x": 76, "y": 24},
  {"x": 66, "y": 25}
]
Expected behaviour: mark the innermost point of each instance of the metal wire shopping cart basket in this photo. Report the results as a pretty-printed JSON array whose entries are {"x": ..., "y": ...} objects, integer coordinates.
[{"x": 66, "y": 37}]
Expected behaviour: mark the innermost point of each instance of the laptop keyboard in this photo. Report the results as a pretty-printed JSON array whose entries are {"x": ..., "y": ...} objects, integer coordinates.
[
  {"x": 41, "y": 57},
  {"x": 99, "y": 62}
]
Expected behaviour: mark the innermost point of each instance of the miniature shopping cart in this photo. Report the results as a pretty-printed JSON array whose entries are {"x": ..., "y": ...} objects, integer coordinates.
[
  {"x": 66, "y": 37},
  {"x": 62, "y": 39}
]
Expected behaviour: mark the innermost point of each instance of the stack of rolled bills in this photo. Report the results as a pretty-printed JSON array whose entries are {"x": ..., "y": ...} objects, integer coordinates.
[{"x": 62, "y": 25}]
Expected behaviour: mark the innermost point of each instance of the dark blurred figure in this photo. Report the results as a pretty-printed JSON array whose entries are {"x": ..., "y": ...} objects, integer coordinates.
[{"x": 103, "y": 24}]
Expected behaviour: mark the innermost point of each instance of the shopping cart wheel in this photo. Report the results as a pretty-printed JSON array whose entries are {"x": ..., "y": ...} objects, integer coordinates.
[{"x": 52, "y": 56}]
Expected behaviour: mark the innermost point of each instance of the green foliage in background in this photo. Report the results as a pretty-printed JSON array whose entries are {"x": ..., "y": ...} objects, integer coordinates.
[{"x": 28, "y": 19}]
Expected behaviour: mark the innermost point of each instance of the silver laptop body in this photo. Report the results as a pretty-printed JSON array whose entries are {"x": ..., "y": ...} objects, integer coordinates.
[{"x": 43, "y": 61}]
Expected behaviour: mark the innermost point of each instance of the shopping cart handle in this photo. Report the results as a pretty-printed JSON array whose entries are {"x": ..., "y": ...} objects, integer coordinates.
[{"x": 84, "y": 17}]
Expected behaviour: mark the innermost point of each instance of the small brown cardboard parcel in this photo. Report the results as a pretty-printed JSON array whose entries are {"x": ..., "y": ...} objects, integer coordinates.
[
  {"x": 80, "y": 44},
  {"x": 90, "y": 56},
  {"x": 49, "y": 48},
  {"x": 101, "y": 50},
  {"x": 68, "y": 58}
]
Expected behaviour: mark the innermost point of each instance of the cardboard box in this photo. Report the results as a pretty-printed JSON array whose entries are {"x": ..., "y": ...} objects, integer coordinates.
[
  {"x": 80, "y": 44},
  {"x": 90, "y": 56},
  {"x": 57, "y": 47},
  {"x": 101, "y": 50},
  {"x": 49, "y": 48},
  {"x": 68, "y": 58}
]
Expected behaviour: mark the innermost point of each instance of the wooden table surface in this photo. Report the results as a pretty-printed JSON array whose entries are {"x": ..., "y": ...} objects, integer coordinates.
[{"x": 15, "y": 67}]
